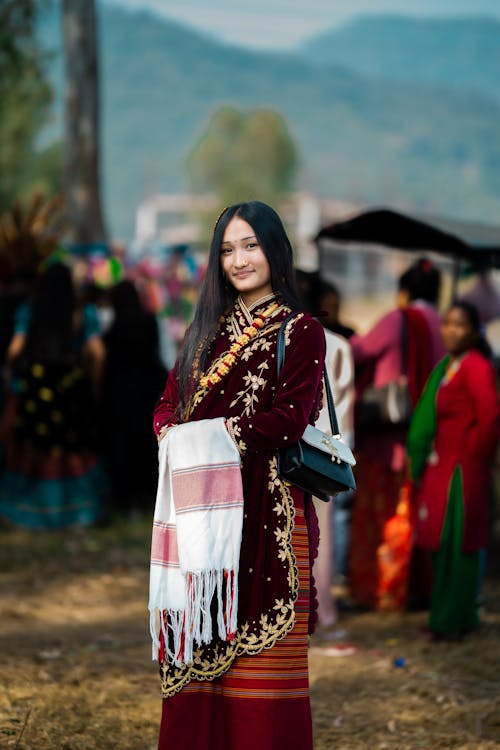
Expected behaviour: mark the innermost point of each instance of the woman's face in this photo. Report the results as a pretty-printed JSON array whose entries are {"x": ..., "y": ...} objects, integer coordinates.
[
  {"x": 244, "y": 262},
  {"x": 457, "y": 331}
]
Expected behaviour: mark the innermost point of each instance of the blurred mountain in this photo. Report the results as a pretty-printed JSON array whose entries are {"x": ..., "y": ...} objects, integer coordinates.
[
  {"x": 414, "y": 146},
  {"x": 461, "y": 53}
]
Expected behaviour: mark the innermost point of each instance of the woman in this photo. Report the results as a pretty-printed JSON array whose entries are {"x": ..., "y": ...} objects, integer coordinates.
[
  {"x": 252, "y": 691},
  {"x": 333, "y": 517},
  {"x": 134, "y": 375},
  {"x": 53, "y": 478},
  {"x": 451, "y": 446},
  {"x": 340, "y": 365},
  {"x": 379, "y": 357}
]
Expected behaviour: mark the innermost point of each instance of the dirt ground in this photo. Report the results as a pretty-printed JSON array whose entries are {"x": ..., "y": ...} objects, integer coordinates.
[{"x": 76, "y": 670}]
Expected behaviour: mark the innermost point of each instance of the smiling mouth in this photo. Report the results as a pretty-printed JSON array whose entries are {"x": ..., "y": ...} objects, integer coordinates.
[{"x": 242, "y": 274}]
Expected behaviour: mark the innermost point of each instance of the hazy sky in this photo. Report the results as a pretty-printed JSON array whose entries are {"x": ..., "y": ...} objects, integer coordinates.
[{"x": 282, "y": 24}]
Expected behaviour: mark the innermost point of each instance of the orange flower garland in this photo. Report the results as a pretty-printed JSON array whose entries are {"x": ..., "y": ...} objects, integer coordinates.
[{"x": 224, "y": 363}]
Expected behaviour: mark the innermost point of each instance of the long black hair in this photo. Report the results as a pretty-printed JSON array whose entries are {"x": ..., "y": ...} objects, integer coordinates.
[
  {"x": 479, "y": 341},
  {"x": 50, "y": 333},
  {"x": 217, "y": 296}
]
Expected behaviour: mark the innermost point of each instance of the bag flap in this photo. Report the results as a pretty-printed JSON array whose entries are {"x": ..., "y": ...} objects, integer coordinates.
[{"x": 328, "y": 444}]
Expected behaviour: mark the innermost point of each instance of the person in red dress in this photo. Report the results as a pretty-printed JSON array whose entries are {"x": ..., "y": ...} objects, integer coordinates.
[
  {"x": 451, "y": 445},
  {"x": 252, "y": 691},
  {"x": 379, "y": 359}
]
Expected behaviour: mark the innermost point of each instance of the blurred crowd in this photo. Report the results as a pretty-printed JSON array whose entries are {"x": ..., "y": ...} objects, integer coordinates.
[
  {"x": 86, "y": 344},
  {"x": 85, "y": 348},
  {"x": 417, "y": 398}
]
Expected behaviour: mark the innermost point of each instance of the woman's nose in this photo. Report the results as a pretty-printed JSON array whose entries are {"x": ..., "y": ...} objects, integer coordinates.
[{"x": 240, "y": 261}]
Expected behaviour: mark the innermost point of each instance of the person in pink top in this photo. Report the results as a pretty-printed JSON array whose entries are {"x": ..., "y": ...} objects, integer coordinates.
[{"x": 379, "y": 359}]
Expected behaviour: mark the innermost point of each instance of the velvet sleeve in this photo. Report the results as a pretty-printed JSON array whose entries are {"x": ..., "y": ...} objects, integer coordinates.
[
  {"x": 296, "y": 392},
  {"x": 164, "y": 414},
  {"x": 480, "y": 378}
]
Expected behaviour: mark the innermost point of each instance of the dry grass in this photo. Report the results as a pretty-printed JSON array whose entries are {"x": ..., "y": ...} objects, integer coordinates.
[
  {"x": 77, "y": 675},
  {"x": 445, "y": 696}
]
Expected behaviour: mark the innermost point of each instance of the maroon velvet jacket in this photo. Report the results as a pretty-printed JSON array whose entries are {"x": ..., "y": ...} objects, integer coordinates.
[{"x": 264, "y": 413}]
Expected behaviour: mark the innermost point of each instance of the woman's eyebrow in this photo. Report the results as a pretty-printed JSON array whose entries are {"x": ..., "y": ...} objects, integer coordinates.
[{"x": 243, "y": 239}]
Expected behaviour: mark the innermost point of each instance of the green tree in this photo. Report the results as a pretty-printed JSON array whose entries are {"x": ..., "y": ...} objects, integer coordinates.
[
  {"x": 25, "y": 97},
  {"x": 244, "y": 156}
]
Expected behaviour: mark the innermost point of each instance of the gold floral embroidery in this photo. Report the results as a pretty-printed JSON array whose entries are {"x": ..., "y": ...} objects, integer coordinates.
[
  {"x": 260, "y": 344},
  {"x": 221, "y": 366},
  {"x": 235, "y": 433},
  {"x": 210, "y": 662},
  {"x": 273, "y": 625},
  {"x": 240, "y": 317},
  {"x": 249, "y": 395},
  {"x": 289, "y": 326}
]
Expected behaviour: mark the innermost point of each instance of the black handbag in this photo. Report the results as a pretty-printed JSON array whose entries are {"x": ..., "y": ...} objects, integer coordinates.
[
  {"x": 318, "y": 463},
  {"x": 385, "y": 406},
  {"x": 388, "y": 405}
]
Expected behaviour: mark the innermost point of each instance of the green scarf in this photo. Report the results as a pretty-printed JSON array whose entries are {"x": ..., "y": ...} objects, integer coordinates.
[{"x": 423, "y": 423}]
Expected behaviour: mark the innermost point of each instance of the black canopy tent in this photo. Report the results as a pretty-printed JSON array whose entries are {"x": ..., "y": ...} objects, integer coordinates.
[{"x": 393, "y": 229}]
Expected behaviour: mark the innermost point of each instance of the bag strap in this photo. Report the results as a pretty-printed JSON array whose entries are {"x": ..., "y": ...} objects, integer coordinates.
[{"x": 280, "y": 358}]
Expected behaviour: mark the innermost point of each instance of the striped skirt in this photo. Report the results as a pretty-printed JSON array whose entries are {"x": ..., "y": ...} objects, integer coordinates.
[{"x": 262, "y": 701}]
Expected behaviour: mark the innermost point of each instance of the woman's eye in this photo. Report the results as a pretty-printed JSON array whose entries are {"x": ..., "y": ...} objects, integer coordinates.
[
  {"x": 252, "y": 245},
  {"x": 226, "y": 250}
]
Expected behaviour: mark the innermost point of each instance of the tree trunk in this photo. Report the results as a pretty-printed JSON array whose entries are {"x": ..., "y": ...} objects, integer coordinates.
[{"x": 81, "y": 171}]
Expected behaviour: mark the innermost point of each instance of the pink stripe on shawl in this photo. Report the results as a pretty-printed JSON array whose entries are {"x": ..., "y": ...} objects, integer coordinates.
[
  {"x": 207, "y": 487},
  {"x": 164, "y": 549}
]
